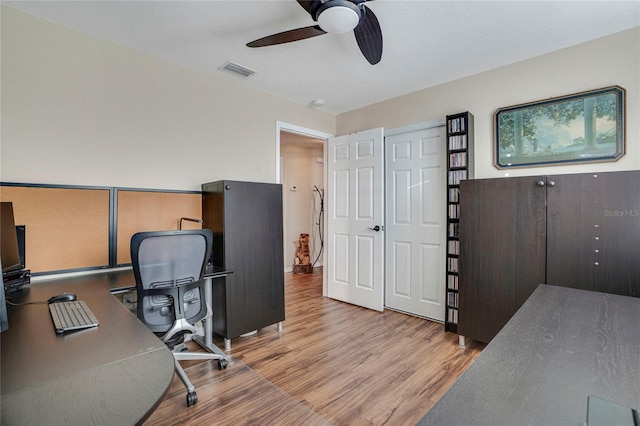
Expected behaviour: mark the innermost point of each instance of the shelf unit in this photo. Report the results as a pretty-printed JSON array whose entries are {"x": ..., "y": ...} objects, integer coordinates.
[{"x": 459, "y": 167}]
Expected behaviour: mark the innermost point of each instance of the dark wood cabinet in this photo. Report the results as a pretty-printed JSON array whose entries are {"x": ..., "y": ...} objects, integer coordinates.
[
  {"x": 580, "y": 231},
  {"x": 593, "y": 232},
  {"x": 246, "y": 220},
  {"x": 502, "y": 233}
]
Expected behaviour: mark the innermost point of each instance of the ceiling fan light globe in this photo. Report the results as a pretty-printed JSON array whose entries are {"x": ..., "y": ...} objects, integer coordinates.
[{"x": 338, "y": 19}]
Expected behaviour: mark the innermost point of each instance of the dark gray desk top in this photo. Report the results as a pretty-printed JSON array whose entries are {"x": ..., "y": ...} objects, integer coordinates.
[
  {"x": 561, "y": 346},
  {"x": 112, "y": 374}
]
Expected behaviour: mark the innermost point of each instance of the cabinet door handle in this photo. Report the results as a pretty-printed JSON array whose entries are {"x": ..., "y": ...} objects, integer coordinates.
[
  {"x": 540, "y": 183},
  {"x": 551, "y": 183}
]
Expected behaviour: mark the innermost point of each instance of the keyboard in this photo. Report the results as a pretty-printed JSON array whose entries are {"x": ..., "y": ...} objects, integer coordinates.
[{"x": 68, "y": 316}]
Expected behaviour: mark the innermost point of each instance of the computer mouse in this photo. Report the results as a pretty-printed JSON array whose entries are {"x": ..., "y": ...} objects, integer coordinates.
[{"x": 64, "y": 297}]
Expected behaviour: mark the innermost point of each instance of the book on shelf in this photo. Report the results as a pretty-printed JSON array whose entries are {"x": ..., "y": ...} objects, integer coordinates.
[
  {"x": 452, "y": 264},
  {"x": 454, "y": 230},
  {"x": 452, "y": 316},
  {"x": 457, "y": 125},
  {"x": 454, "y": 195},
  {"x": 455, "y": 176},
  {"x": 454, "y": 211},
  {"x": 452, "y": 299},
  {"x": 452, "y": 282},
  {"x": 458, "y": 159},
  {"x": 454, "y": 247},
  {"x": 457, "y": 142}
]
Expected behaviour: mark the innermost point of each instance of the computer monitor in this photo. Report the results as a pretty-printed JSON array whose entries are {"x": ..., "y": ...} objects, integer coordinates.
[{"x": 9, "y": 251}]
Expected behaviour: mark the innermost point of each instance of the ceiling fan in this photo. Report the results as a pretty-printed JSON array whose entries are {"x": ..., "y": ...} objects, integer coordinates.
[{"x": 335, "y": 17}]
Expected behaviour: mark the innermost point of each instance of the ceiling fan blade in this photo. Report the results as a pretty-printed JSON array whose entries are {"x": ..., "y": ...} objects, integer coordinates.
[
  {"x": 287, "y": 36},
  {"x": 306, "y": 4},
  {"x": 369, "y": 36}
]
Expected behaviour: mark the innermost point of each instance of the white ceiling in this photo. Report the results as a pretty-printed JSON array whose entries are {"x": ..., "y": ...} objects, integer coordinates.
[{"x": 426, "y": 43}]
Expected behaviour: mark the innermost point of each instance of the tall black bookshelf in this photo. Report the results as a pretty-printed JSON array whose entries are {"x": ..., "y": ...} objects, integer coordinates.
[{"x": 459, "y": 167}]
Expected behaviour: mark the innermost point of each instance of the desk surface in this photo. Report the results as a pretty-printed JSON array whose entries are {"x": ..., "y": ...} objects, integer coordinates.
[
  {"x": 96, "y": 376},
  {"x": 562, "y": 346}
]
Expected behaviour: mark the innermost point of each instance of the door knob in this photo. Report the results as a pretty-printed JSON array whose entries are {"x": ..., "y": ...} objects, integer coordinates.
[{"x": 375, "y": 228}]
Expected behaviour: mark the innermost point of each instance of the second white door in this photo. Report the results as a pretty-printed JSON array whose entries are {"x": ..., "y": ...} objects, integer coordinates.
[{"x": 415, "y": 223}]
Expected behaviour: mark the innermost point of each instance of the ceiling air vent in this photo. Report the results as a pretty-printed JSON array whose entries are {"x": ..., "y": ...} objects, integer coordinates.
[{"x": 236, "y": 69}]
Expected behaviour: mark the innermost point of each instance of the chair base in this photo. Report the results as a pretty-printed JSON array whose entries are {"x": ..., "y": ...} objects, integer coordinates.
[
  {"x": 180, "y": 355},
  {"x": 196, "y": 356}
]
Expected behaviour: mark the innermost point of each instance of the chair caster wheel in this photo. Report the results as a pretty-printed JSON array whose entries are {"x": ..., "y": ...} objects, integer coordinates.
[
  {"x": 222, "y": 364},
  {"x": 192, "y": 398}
]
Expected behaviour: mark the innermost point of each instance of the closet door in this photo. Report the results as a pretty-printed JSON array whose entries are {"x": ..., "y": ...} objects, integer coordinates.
[
  {"x": 502, "y": 251},
  {"x": 593, "y": 229}
]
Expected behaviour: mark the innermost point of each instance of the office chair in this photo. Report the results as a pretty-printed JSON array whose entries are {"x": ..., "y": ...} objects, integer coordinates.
[{"x": 168, "y": 268}]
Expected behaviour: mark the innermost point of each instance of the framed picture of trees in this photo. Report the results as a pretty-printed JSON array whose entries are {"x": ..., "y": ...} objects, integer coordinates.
[{"x": 578, "y": 128}]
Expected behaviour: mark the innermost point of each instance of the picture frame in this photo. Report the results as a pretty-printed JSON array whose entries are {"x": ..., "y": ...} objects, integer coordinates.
[{"x": 579, "y": 128}]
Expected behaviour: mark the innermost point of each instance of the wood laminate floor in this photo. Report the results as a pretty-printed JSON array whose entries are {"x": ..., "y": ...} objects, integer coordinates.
[{"x": 334, "y": 363}]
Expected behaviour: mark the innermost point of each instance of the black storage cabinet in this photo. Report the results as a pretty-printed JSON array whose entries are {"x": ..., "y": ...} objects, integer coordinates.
[
  {"x": 246, "y": 220},
  {"x": 576, "y": 230}
]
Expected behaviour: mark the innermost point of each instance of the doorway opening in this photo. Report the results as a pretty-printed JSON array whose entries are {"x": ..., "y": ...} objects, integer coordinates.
[{"x": 301, "y": 171}]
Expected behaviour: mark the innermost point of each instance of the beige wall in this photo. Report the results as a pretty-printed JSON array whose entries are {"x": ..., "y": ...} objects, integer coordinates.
[
  {"x": 613, "y": 60},
  {"x": 301, "y": 207},
  {"x": 77, "y": 110}
]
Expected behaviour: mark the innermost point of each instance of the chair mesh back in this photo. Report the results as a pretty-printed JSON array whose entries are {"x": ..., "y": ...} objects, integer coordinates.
[{"x": 167, "y": 259}]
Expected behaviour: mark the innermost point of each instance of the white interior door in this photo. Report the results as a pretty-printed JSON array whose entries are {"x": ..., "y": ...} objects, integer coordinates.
[
  {"x": 355, "y": 209},
  {"x": 415, "y": 231}
]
